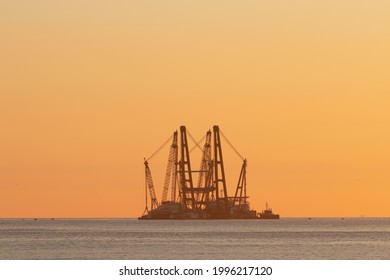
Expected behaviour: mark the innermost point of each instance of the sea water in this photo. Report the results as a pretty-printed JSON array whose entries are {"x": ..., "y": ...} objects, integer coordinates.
[{"x": 287, "y": 238}]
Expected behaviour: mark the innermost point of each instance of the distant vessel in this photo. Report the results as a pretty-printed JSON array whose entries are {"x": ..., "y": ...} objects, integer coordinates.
[{"x": 268, "y": 214}]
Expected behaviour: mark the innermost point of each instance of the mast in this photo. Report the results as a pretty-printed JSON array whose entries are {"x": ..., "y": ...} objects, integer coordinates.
[
  {"x": 219, "y": 174},
  {"x": 149, "y": 183},
  {"x": 170, "y": 174},
  {"x": 146, "y": 194},
  {"x": 204, "y": 185},
  {"x": 187, "y": 186},
  {"x": 240, "y": 196}
]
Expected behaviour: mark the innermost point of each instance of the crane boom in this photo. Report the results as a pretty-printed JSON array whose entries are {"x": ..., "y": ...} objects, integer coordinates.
[
  {"x": 219, "y": 174},
  {"x": 240, "y": 196},
  {"x": 170, "y": 174},
  {"x": 206, "y": 157},
  {"x": 149, "y": 182},
  {"x": 186, "y": 183},
  {"x": 204, "y": 164}
]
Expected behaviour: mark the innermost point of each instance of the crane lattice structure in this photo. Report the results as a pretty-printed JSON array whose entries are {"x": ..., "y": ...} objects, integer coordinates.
[
  {"x": 210, "y": 194},
  {"x": 149, "y": 185},
  {"x": 171, "y": 172}
]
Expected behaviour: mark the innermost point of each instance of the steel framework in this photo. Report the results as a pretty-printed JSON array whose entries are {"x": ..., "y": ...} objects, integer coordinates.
[{"x": 209, "y": 198}]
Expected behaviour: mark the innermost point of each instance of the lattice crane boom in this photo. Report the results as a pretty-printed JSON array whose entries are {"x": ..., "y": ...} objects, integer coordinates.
[
  {"x": 149, "y": 183},
  {"x": 186, "y": 183},
  {"x": 219, "y": 173},
  {"x": 205, "y": 161},
  {"x": 170, "y": 174},
  {"x": 240, "y": 196},
  {"x": 204, "y": 164}
]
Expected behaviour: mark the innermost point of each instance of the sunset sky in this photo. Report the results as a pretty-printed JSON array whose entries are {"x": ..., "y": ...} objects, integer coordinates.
[{"x": 89, "y": 88}]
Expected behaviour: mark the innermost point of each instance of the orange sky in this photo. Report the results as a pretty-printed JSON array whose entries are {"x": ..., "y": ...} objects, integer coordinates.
[{"x": 90, "y": 88}]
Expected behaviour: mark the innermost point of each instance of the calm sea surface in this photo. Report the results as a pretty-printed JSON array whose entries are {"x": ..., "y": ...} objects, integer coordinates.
[{"x": 288, "y": 238}]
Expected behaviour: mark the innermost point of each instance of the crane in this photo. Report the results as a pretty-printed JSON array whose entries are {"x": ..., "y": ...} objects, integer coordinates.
[
  {"x": 171, "y": 172},
  {"x": 208, "y": 198},
  {"x": 240, "y": 196},
  {"x": 150, "y": 187}
]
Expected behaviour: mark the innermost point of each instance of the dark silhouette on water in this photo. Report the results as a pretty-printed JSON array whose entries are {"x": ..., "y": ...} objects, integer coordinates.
[
  {"x": 268, "y": 214},
  {"x": 206, "y": 199}
]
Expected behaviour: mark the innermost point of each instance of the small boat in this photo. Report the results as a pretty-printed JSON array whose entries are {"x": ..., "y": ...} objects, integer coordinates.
[{"x": 268, "y": 214}]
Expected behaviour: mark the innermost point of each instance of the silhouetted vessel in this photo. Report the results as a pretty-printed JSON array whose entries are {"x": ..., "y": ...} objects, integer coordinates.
[
  {"x": 205, "y": 199},
  {"x": 268, "y": 214}
]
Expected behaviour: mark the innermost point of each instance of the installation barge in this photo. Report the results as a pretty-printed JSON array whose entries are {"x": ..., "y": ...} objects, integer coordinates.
[{"x": 208, "y": 198}]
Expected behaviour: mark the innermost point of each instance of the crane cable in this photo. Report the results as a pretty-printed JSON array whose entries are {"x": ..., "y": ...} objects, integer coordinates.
[
  {"x": 231, "y": 145},
  {"x": 196, "y": 145},
  {"x": 196, "y": 142},
  {"x": 159, "y": 149}
]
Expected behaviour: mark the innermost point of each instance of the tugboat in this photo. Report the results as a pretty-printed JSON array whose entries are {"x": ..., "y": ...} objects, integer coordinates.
[{"x": 267, "y": 214}]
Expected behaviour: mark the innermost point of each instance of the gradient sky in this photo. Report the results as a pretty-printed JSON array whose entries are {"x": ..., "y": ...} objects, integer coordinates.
[{"x": 89, "y": 88}]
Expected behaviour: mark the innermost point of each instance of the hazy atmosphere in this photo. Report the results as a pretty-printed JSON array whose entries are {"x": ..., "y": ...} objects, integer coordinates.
[{"x": 90, "y": 88}]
